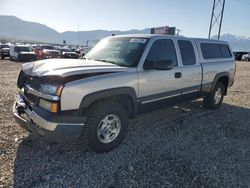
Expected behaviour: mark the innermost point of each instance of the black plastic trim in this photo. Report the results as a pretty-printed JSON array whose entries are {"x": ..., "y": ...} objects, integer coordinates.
[
  {"x": 160, "y": 96},
  {"x": 218, "y": 76},
  {"x": 191, "y": 89},
  {"x": 93, "y": 97},
  {"x": 163, "y": 103},
  {"x": 71, "y": 117},
  {"x": 206, "y": 88}
]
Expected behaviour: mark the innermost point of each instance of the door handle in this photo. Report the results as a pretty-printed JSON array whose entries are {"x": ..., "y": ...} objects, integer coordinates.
[{"x": 177, "y": 75}]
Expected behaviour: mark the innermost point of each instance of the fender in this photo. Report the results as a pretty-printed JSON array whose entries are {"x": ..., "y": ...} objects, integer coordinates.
[
  {"x": 91, "y": 98},
  {"x": 218, "y": 76}
]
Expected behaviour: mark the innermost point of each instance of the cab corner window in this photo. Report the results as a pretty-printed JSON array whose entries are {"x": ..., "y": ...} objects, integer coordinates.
[{"x": 187, "y": 52}]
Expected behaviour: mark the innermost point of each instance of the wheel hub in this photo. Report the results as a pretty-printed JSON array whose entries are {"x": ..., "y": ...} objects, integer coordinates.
[
  {"x": 218, "y": 96},
  {"x": 109, "y": 128}
]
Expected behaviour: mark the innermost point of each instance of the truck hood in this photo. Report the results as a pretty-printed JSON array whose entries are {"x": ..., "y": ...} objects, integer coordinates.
[{"x": 68, "y": 67}]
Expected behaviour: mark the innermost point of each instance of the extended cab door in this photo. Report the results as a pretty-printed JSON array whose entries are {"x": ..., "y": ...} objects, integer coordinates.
[
  {"x": 158, "y": 85},
  {"x": 191, "y": 69}
]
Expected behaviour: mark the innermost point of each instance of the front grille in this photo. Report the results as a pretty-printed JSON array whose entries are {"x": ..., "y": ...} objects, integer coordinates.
[
  {"x": 54, "y": 54},
  {"x": 31, "y": 99},
  {"x": 27, "y": 57},
  {"x": 35, "y": 84},
  {"x": 24, "y": 79}
]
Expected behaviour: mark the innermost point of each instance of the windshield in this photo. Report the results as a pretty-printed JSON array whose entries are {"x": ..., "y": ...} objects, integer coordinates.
[
  {"x": 4, "y": 46},
  {"x": 22, "y": 49},
  {"x": 47, "y": 47},
  {"x": 120, "y": 51},
  {"x": 65, "y": 50}
]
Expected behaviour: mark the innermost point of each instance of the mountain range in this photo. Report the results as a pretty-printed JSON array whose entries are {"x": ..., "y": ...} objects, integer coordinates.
[{"x": 13, "y": 28}]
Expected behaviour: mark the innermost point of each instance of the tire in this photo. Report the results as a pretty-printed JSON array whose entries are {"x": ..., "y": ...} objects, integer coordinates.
[
  {"x": 2, "y": 56},
  {"x": 215, "y": 97},
  {"x": 102, "y": 118}
]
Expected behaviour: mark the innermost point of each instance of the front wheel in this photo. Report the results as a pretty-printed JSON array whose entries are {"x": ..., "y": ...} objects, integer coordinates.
[
  {"x": 215, "y": 97},
  {"x": 106, "y": 126}
]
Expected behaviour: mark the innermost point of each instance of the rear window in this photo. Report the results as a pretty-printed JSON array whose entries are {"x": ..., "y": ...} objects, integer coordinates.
[{"x": 215, "y": 51}]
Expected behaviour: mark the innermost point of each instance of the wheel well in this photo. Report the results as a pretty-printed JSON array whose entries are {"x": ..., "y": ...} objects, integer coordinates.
[
  {"x": 123, "y": 99},
  {"x": 126, "y": 101},
  {"x": 224, "y": 80}
]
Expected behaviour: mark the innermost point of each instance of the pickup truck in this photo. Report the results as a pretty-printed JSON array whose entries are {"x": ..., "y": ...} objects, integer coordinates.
[
  {"x": 48, "y": 51},
  {"x": 93, "y": 98}
]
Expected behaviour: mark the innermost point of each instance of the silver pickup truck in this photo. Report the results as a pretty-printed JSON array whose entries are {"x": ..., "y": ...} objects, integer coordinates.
[{"x": 122, "y": 76}]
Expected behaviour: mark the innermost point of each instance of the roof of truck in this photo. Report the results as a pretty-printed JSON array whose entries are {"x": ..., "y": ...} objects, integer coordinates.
[{"x": 167, "y": 36}]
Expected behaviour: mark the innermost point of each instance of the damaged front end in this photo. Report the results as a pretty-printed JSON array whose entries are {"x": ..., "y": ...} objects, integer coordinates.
[{"x": 39, "y": 112}]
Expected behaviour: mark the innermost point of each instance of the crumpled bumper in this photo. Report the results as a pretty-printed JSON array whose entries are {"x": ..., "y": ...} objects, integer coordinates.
[{"x": 59, "y": 128}]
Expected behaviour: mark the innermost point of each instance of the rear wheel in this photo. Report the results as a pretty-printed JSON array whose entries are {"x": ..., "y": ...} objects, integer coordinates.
[
  {"x": 106, "y": 126},
  {"x": 215, "y": 97}
]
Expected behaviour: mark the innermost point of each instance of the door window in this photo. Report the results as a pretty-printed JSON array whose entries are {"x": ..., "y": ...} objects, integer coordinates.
[{"x": 161, "y": 49}]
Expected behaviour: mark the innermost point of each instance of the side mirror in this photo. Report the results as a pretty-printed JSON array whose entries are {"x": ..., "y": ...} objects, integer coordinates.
[{"x": 163, "y": 64}]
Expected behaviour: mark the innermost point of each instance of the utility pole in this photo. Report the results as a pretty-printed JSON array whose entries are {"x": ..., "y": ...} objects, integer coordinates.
[
  {"x": 217, "y": 18},
  {"x": 78, "y": 35}
]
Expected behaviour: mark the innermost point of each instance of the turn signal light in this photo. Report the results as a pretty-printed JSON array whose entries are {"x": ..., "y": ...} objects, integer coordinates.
[{"x": 54, "y": 107}]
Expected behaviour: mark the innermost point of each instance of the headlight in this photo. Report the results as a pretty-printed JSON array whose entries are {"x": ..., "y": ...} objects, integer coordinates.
[
  {"x": 49, "y": 106},
  {"x": 51, "y": 89}
]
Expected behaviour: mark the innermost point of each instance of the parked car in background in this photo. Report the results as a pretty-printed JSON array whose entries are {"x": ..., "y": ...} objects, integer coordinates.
[
  {"x": 246, "y": 57},
  {"x": 36, "y": 50},
  {"x": 67, "y": 53},
  {"x": 48, "y": 51},
  {"x": 4, "y": 50},
  {"x": 22, "y": 53},
  {"x": 238, "y": 55}
]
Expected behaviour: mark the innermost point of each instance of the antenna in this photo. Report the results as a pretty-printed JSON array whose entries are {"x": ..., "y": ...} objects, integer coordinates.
[{"x": 217, "y": 18}]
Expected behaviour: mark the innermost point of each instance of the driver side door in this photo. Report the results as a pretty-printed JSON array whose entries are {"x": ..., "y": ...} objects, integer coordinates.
[{"x": 158, "y": 86}]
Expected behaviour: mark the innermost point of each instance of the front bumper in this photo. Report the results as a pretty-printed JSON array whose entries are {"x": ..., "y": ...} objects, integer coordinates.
[
  {"x": 6, "y": 54},
  {"x": 59, "y": 128}
]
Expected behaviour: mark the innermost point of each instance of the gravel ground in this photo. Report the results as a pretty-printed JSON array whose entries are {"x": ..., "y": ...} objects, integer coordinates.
[{"x": 180, "y": 146}]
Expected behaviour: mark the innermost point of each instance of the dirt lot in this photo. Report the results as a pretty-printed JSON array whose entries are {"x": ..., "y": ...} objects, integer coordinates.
[{"x": 181, "y": 146}]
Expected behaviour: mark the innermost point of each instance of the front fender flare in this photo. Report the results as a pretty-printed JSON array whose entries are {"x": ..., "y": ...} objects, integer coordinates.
[{"x": 93, "y": 97}]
